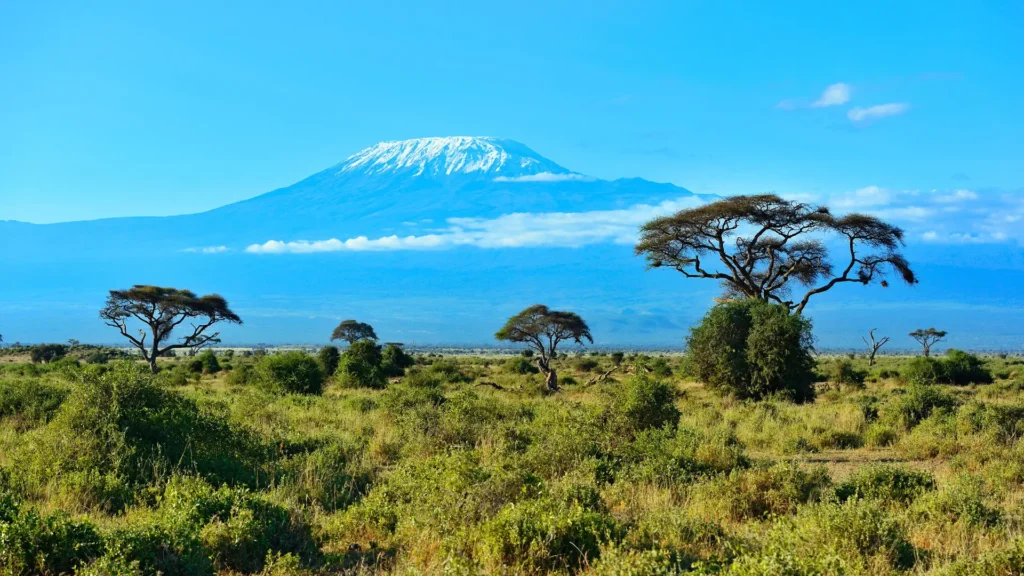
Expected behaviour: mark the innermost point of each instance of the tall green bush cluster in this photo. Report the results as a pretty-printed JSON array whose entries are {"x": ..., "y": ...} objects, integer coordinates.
[{"x": 753, "y": 349}]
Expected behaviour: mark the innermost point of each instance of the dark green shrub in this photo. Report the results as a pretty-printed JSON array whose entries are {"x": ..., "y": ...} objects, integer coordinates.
[
  {"x": 643, "y": 402},
  {"x": 329, "y": 358},
  {"x": 617, "y": 358},
  {"x": 361, "y": 366},
  {"x": 97, "y": 358},
  {"x": 32, "y": 402},
  {"x": 241, "y": 376},
  {"x": 587, "y": 364},
  {"x": 520, "y": 365},
  {"x": 962, "y": 369},
  {"x": 527, "y": 353},
  {"x": 395, "y": 361},
  {"x": 209, "y": 362},
  {"x": 195, "y": 365},
  {"x": 753, "y": 349},
  {"x": 46, "y": 353},
  {"x": 888, "y": 483},
  {"x": 289, "y": 373},
  {"x": 31, "y": 543}
]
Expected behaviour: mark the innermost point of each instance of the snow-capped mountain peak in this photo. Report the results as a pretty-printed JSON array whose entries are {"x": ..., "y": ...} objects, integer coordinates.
[{"x": 467, "y": 155}]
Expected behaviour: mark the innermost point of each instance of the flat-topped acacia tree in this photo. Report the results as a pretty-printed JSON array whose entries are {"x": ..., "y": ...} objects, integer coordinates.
[
  {"x": 543, "y": 330},
  {"x": 352, "y": 331},
  {"x": 763, "y": 246},
  {"x": 161, "y": 311},
  {"x": 928, "y": 338}
]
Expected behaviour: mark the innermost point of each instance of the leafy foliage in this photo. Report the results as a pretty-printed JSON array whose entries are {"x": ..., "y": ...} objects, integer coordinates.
[
  {"x": 362, "y": 366},
  {"x": 289, "y": 373},
  {"x": 783, "y": 248},
  {"x": 753, "y": 349}
]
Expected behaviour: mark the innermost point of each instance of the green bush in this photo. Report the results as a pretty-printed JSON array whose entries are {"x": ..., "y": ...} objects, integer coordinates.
[
  {"x": 844, "y": 373},
  {"x": 289, "y": 373},
  {"x": 587, "y": 364},
  {"x": 520, "y": 365},
  {"x": 209, "y": 362},
  {"x": 753, "y": 349},
  {"x": 643, "y": 402},
  {"x": 855, "y": 537},
  {"x": 761, "y": 492},
  {"x": 449, "y": 371},
  {"x": 46, "y": 353},
  {"x": 31, "y": 543},
  {"x": 97, "y": 358},
  {"x": 962, "y": 369},
  {"x": 361, "y": 366},
  {"x": 668, "y": 455},
  {"x": 395, "y": 361},
  {"x": 31, "y": 402},
  {"x": 958, "y": 367},
  {"x": 329, "y": 358},
  {"x": 915, "y": 404},
  {"x": 118, "y": 431},
  {"x": 888, "y": 483},
  {"x": 546, "y": 534}
]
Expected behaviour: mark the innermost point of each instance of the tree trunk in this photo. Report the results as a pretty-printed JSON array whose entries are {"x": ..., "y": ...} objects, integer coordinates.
[
  {"x": 927, "y": 351},
  {"x": 551, "y": 380},
  {"x": 152, "y": 364},
  {"x": 871, "y": 358}
]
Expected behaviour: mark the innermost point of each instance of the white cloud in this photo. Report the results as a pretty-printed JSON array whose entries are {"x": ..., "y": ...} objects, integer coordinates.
[
  {"x": 207, "y": 250},
  {"x": 519, "y": 230},
  {"x": 835, "y": 95},
  {"x": 876, "y": 112},
  {"x": 957, "y": 196},
  {"x": 948, "y": 216},
  {"x": 545, "y": 177}
]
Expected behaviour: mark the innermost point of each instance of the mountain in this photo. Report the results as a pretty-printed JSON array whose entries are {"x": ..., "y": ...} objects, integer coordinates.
[
  {"x": 438, "y": 240},
  {"x": 375, "y": 192}
]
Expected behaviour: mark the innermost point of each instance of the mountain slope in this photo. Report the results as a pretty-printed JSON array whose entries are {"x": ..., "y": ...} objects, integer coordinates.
[{"x": 375, "y": 192}]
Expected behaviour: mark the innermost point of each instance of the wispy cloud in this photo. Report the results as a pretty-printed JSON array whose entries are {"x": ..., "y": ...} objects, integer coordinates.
[
  {"x": 835, "y": 95},
  {"x": 957, "y": 216},
  {"x": 207, "y": 250},
  {"x": 875, "y": 112},
  {"x": 519, "y": 230},
  {"x": 545, "y": 177}
]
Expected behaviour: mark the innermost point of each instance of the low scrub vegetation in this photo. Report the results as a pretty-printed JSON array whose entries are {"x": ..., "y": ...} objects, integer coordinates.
[{"x": 368, "y": 460}]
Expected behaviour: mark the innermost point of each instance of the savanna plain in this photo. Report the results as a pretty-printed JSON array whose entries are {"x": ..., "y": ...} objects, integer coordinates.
[{"x": 292, "y": 463}]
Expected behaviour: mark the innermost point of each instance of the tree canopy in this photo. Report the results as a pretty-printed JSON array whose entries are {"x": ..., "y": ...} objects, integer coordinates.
[
  {"x": 162, "y": 310},
  {"x": 352, "y": 331},
  {"x": 928, "y": 338},
  {"x": 543, "y": 330},
  {"x": 762, "y": 246}
]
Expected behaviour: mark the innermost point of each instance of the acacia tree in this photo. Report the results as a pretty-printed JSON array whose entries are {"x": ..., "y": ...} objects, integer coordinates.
[
  {"x": 543, "y": 330},
  {"x": 161, "y": 311},
  {"x": 874, "y": 345},
  {"x": 928, "y": 338},
  {"x": 762, "y": 246},
  {"x": 352, "y": 331}
]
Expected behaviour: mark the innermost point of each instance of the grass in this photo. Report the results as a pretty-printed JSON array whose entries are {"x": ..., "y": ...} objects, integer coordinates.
[{"x": 105, "y": 470}]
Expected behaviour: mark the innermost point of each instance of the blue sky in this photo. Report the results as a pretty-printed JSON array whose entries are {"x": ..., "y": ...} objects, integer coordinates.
[{"x": 128, "y": 108}]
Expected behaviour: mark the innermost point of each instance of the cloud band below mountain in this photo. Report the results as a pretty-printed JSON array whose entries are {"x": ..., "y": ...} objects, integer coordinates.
[{"x": 519, "y": 230}]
